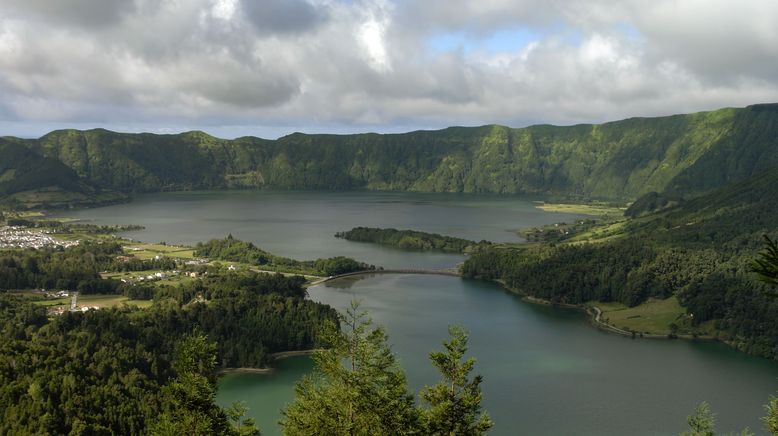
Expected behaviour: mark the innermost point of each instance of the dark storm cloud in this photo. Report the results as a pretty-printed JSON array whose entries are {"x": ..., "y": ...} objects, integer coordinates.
[{"x": 283, "y": 16}]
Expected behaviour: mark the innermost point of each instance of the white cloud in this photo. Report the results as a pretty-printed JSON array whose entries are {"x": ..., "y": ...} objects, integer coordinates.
[
  {"x": 224, "y": 9},
  {"x": 372, "y": 37},
  {"x": 337, "y": 65}
]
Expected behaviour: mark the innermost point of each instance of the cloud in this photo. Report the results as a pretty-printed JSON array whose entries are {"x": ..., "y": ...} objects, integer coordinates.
[
  {"x": 283, "y": 16},
  {"x": 76, "y": 13},
  {"x": 350, "y": 65},
  {"x": 716, "y": 40}
]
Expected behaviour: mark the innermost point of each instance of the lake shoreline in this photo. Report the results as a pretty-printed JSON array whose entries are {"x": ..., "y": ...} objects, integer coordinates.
[
  {"x": 285, "y": 354},
  {"x": 268, "y": 369},
  {"x": 594, "y": 318},
  {"x": 451, "y": 272},
  {"x": 245, "y": 370}
]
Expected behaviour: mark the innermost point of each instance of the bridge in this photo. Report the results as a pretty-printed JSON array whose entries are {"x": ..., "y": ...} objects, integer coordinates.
[{"x": 453, "y": 272}]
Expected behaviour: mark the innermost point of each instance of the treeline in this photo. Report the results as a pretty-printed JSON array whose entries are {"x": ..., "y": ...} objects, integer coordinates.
[
  {"x": 95, "y": 229},
  {"x": 112, "y": 371},
  {"x": 131, "y": 263},
  {"x": 76, "y": 268},
  {"x": 235, "y": 250},
  {"x": 627, "y": 271},
  {"x": 72, "y": 268},
  {"x": 411, "y": 239},
  {"x": 710, "y": 285}
]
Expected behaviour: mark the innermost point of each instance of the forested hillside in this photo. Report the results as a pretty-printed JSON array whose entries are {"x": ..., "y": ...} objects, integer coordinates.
[
  {"x": 27, "y": 178},
  {"x": 682, "y": 154},
  {"x": 699, "y": 252}
]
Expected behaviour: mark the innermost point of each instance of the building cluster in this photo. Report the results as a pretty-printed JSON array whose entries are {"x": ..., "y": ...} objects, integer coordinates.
[
  {"x": 196, "y": 262},
  {"x": 59, "y": 310},
  {"x": 22, "y": 237},
  {"x": 152, "y": 277}
]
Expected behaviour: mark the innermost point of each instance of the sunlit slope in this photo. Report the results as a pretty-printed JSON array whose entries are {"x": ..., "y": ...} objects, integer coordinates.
[
  {"x": 731, "y": 218},
  {"x": 687, "y": 154}
]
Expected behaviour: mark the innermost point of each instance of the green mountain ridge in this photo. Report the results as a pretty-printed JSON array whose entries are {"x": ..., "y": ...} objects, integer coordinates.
[
  {"x": 28, "y": 179},
  {"x": 22, "y": 169},
  {"x": 680, "y": 154}
]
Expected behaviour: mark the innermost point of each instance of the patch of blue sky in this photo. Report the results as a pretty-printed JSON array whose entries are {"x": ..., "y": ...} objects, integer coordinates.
[
  {"x": 629, "y": 30},
  {"x": 499, "y": 41}
]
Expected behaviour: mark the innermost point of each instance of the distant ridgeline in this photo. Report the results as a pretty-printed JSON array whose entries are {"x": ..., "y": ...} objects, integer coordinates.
[
  {"x": 680, "y": 154},
  {"x": 411, "y": 239}
]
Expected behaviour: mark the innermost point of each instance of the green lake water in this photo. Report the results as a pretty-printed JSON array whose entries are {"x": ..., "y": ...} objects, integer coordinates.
[{"x": 546, "y": 371}]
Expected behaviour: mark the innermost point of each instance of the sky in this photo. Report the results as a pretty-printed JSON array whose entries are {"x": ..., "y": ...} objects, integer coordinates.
[{"x": 272, "y": 67}]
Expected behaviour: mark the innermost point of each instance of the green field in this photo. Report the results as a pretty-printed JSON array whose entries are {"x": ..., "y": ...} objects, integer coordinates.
[
  {"x": 149, "y": 251},
  {"x": 96, "y": 300},
  {"x": 594, "y": 209},
  {"x": 654, "y": 316},
  {"x": 600, "y": 233}
]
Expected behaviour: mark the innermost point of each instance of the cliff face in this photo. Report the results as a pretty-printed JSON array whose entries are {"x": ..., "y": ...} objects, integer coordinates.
[{"x": 681, "y": 154}]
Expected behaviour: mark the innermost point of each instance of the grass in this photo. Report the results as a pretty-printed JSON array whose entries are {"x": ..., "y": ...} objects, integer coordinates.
[
  {"x": 96, "y": 300},
  {"x": 149, "y": 251},
  {"x": 653, "y": 316},
  {"x": 606, "y": 221},
  {"x": 26, "y": 214},
  {"x": 595, "y": 209},
  {"x": 601, "y": 233}
]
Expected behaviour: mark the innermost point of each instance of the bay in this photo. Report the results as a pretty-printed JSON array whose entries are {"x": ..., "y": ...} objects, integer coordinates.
[{"x": 546, "y": 370}]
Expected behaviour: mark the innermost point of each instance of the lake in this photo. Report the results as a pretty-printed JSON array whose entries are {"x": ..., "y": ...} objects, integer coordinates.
[
  {"x": 546, "y": 370},
  {"x": 301, "y": 225}
]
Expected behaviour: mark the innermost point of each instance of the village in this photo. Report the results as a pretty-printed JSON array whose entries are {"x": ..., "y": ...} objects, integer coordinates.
[{"x": 22, "y": 237}]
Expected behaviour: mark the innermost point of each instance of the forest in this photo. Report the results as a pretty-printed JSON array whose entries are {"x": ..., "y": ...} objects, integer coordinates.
[{"x": 55, "y": 371}]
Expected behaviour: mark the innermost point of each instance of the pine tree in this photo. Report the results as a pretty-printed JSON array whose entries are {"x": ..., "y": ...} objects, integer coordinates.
[
  {"x": 766, "y": 265},
  {"x": 702, "y": 422},
  {"x": 771, "y": 419},
  {"x": 190, "y": 396},
  {"x": 357, "y": 388},
  {"x": 455, "y": 402},
  {"x": 242, "y": 425}
]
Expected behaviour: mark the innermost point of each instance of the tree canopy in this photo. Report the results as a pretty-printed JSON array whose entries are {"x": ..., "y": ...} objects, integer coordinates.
[{"x": 358, "y": 388}]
